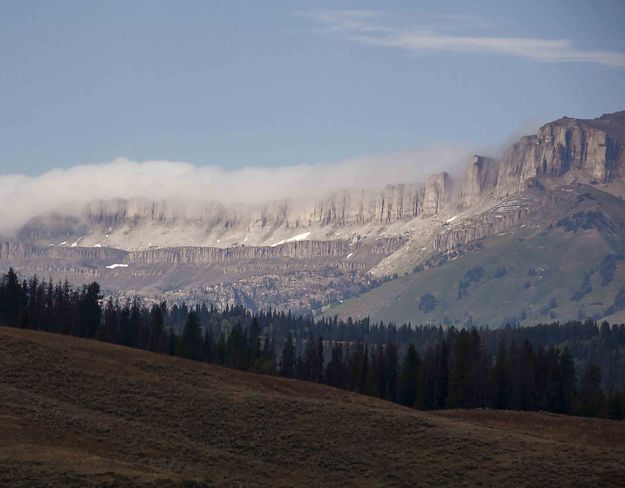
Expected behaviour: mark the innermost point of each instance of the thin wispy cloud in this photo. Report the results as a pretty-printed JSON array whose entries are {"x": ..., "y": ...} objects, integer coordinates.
[{"x": 375, "y": 29}]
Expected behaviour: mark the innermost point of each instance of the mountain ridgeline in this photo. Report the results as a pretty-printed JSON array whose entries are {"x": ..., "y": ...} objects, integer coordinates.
[{"x": 344, "y": 243}]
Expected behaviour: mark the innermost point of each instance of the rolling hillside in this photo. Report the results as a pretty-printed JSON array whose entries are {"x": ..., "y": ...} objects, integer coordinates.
[
  {"x": 568, "y": 262},
  {"x": 82, "y": 413}
]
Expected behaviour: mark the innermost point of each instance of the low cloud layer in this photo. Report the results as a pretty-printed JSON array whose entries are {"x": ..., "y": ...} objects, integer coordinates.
[
  {"x": 373, "y": 28},
  {"x": 23, "y": 197}
]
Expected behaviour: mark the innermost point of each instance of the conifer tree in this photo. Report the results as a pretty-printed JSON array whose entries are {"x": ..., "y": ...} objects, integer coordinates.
[
  {"x": 111, "y": 322},
  {"x": 190, "y": 341},
  {"x": 390, "y": 371},
  {"x": 287, "y": 365},
  {"x": 90, "y": 312},
  {"x": 555, "y": 388},
  {"x": 500, "y": 380},
  {"x": 569, "y": 380},
  {"x": 335, "y": 370},
  {"x": 156, "y": 339},
  {"x": 208, "y": 346},
  {"x": 461, "y": 378},
  {"x": 408, "y": 377},
  {"x": 442, "y": 383},
  {"x": 365, "y": 371},
  {"x": 237, "y": 348},
  {"x": 318, "y": 360},
  {"x": 13, "y": 297},
  {"x": 527, "y": 386},
  {"x": 254, "y": 340},
  {"x": 221, "y": 350},
  {"x": 591, "y": 397}
]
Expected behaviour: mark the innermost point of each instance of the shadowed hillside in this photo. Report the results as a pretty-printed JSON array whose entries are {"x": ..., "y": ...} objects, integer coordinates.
[{"x": 83, "y": 413}]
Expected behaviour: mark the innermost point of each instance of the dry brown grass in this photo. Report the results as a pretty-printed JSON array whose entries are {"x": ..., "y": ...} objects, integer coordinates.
[{"x": 82, "y": 413}]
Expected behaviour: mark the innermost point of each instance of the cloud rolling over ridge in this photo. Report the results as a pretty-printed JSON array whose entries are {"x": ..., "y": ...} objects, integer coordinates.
[{"x": 23, "y": 197}]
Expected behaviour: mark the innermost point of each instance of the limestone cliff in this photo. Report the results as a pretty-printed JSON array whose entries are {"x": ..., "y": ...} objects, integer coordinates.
[
  {"x": 481, "y": 176},
  {"x": 21, "y": 250},
  {"x": 434, "y": 216},
  {"x": 592, "y": 149},
  {"x": 438, "y": 190}
]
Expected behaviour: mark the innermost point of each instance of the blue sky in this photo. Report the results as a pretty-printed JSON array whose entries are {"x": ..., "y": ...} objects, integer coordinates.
[{"x": 275, "y": 83}]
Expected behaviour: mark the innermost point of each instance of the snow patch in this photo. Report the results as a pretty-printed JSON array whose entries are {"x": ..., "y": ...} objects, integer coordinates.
[
  {"x": 75, "y": 244},
  {"x": 113, "y": 266},
  {"x": 449, "y": 221},
  {"x": 349, "y": 255},
  {"x": 298, "y": 237},
  {"x": 98, "y": 245},
  {"x": 63, "y": 243}
]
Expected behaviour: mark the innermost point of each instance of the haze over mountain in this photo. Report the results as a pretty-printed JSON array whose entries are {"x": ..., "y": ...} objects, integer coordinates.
[
  {"x": 183, "y": 187},
  {"x": 336, "y": 240}
]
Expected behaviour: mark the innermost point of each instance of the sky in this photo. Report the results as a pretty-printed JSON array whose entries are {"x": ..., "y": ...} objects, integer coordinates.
[{"x": 234, "y": 84}]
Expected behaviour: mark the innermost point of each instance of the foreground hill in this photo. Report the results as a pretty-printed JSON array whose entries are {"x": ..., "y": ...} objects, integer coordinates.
[{"x": 83, "y": 413}]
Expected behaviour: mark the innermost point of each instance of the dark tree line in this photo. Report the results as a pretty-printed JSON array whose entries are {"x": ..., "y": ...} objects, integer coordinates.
[{"x": 572, "y": 368}]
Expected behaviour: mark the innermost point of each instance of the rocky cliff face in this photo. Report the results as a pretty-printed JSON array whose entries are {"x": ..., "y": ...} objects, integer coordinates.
[
  {"x": 393, "y": 203},
  {"x": 22, "y": 250},
  {"x": 594, "y": 149},
  {"x": 211, "y": 255},
  {"x": 590, "y": 150},
  {"x": 485, "y": 225},
  {"x": 481, "y": 176},
  {"x": 301, "y": 250},
  {"x": 137, "y": 224},
  {"x": 438, "y": 191},
  {"x": 373, "y": 232}
]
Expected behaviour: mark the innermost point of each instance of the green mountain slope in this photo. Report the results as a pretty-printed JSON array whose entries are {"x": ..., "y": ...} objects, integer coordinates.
[{"x": 567, "y": 262}]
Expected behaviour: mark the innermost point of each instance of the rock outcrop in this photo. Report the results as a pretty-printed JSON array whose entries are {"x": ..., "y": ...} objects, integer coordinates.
[
  {"x": 481, "y": 176},
  {"x": 211, "y": 255},
  {"x": 301, "y": 250},
  {"x": 438, "y": 190},
  {"x": 594, "y": 149},
  {"x": 392, "y": 203},
  {"x": 23, "y": 250},
  {"x": 480, "y": 227},
  {"x": 297, "y": 250}
]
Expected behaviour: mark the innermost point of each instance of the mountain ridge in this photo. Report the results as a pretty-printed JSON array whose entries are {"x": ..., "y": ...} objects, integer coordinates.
[{"x": 353, "y": 234}]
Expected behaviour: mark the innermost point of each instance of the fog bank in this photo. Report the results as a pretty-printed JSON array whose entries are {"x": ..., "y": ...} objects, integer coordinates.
[{"x": 23, "y": 197}]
